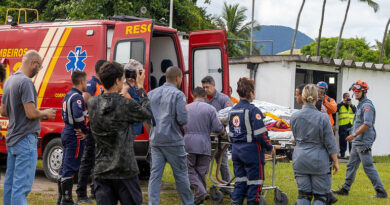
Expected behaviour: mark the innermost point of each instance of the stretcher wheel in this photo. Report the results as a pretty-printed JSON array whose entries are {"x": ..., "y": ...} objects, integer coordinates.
[
  {"x": 216, "y": 196},
  {"x": 280, "y": 198}
]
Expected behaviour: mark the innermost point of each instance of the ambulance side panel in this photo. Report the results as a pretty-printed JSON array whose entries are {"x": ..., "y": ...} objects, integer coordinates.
[
  {"x": 14, "y": 43},
  {"x": 78, "y": 49}
]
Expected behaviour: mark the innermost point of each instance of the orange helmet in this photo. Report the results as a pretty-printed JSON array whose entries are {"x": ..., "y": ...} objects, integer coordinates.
[{"x": 360, "y": 85}]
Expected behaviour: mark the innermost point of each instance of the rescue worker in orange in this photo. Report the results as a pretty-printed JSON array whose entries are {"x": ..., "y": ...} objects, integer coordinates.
[
  {"x": 233, "y": 99},
  {"x": 328, "y": 102}
]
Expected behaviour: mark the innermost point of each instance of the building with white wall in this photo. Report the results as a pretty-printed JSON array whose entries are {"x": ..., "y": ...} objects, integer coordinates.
[{"x": 276, "y": 78}]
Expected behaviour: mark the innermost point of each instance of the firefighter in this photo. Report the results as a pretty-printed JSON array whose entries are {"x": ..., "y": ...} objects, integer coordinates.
[
  {"x": 72, "y": 136},
  {"x": 362, "y": 137},
  {"x": 248, "y": 135},
  {"x": 94, "y": 88},
  {"x": 327, "y": 102},
  {"x": 219, "y": 101}
]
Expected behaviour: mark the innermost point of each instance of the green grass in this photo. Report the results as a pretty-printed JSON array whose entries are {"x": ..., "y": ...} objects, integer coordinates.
[{"x": 360, "y": 194}]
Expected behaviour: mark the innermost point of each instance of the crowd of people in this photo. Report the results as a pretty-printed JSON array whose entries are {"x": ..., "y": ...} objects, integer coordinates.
[{"x": 102, "y": 116}]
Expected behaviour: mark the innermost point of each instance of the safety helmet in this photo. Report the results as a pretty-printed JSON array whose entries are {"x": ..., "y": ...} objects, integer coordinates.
[
  {"x": 323, "y": 85},
  {"x": 360, "y": 85}
]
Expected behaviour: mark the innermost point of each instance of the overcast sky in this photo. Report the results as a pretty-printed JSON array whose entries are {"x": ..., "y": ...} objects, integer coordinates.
[{"x": 362, "y": 20}]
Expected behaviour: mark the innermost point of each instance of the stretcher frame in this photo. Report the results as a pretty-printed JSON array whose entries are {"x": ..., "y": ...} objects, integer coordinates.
[{"x": 216, "y": 196}]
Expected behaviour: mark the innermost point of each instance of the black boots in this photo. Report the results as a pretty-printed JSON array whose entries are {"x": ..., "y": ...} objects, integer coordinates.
[
  {"x": 66, "y": 188},
  {"x": 59, "y": 191},
  {"x": 381, "y": 194},
  {"x": 330, "y": 198},
  {"x": 342, "y": 192},
  {"x": 237, "y": 202}
]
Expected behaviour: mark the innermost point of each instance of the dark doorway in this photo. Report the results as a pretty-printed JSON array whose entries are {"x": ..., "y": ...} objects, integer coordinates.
[{"x": 310, "y": 76}]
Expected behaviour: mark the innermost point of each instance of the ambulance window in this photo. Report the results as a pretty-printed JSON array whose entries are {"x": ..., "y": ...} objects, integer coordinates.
[
  {"x": 129, "y": 49},
  {"x": 208, "y": 62}
]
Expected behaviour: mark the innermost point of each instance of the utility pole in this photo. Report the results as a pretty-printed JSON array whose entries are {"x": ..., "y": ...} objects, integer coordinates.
[
  {"x": 253, "y": 11},
  {"x": 171, "y": 14}
]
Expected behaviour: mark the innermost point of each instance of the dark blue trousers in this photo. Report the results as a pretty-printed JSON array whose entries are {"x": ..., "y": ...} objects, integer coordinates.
[{"x": 248, "y": 165}]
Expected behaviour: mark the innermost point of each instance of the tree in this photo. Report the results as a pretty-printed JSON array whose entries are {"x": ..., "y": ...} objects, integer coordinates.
[
  {"x": 296, "y": 27},
  {"x": 187, "y": 15},
  {"x": 370, "y": 3},
  {"x": 320, "y": 29},
  {"x": 384, "y": 41},
  {"x": 233, "y": 20},
  {"x": 356, "y": 49}
]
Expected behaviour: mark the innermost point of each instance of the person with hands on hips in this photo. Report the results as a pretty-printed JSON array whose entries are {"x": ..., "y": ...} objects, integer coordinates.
[{"x": 72, "y": 136}]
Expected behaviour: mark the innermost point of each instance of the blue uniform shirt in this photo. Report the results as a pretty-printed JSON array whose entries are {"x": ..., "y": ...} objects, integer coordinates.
[
  {"x": 137, "y": 127},
  {"x": 246, "y": 125},
  {"x": 168, "y": 107},
  {"x": 94, "y": 86},
  {"x": 73, "y": 111},
  {"x": 365, "y": 114}
]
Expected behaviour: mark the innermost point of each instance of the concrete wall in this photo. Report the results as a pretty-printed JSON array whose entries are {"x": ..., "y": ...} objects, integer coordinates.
[
  {"x": 275, "y": 83},
  {"x": 379, "y": 85},
  {"x": 237, "y": 71}
]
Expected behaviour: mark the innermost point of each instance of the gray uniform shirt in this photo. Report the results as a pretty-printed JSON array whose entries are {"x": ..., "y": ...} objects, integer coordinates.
[
  {"x": 19, "y": 90},
  {"x": 203, "y": 118},
  {"x": 168, "y": 107},
  {"x": 365, "y": 114},
  {"x": 314, "y": 141},
  {"x": 220, "y": 101}
]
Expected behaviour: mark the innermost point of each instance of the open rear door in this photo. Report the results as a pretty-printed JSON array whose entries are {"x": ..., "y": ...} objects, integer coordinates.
[
  {"x": 131, "y": 40},
  {"x": 208, "y": 55}
]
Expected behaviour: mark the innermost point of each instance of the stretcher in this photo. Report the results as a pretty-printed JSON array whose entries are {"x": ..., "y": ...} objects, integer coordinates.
[{"x": 220, "y": 145}]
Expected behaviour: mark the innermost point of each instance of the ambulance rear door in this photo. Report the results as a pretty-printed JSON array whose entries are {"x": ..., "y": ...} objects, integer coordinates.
[
  {"x": 208, "y": 55},
  {"x": 131, "y": 40}
]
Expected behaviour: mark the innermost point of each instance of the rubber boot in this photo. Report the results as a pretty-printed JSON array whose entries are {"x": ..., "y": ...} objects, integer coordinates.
[
  {"x": 241, "y": 202},
  {"x": 59, "y": 191},
  {"x": 66, "y": 186}
]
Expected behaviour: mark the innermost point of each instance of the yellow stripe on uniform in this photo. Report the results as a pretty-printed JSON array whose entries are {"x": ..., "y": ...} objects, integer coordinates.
[{"x": 52, "y": 65}]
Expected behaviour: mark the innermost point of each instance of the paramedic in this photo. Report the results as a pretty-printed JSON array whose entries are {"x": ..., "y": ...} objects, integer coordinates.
[
  {"x": 72, "y": 136},
  {"x": 248, "y": 135}
]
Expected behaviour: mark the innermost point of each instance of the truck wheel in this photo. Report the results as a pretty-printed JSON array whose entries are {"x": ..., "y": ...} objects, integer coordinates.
[{"x": 52, "y": 159}]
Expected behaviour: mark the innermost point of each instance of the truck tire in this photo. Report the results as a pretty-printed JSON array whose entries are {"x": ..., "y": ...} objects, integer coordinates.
[{"x": 52, "y": 159}]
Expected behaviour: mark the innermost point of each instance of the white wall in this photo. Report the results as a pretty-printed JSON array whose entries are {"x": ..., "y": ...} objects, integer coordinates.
[
  {"x": 237, "y": 71},
  {"x": 379, "y": 85},
  {"x": 275, "y": 83}
]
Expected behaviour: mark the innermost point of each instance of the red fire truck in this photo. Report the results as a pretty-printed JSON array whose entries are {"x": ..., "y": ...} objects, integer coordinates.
[{"x": 76, "y": 45}]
